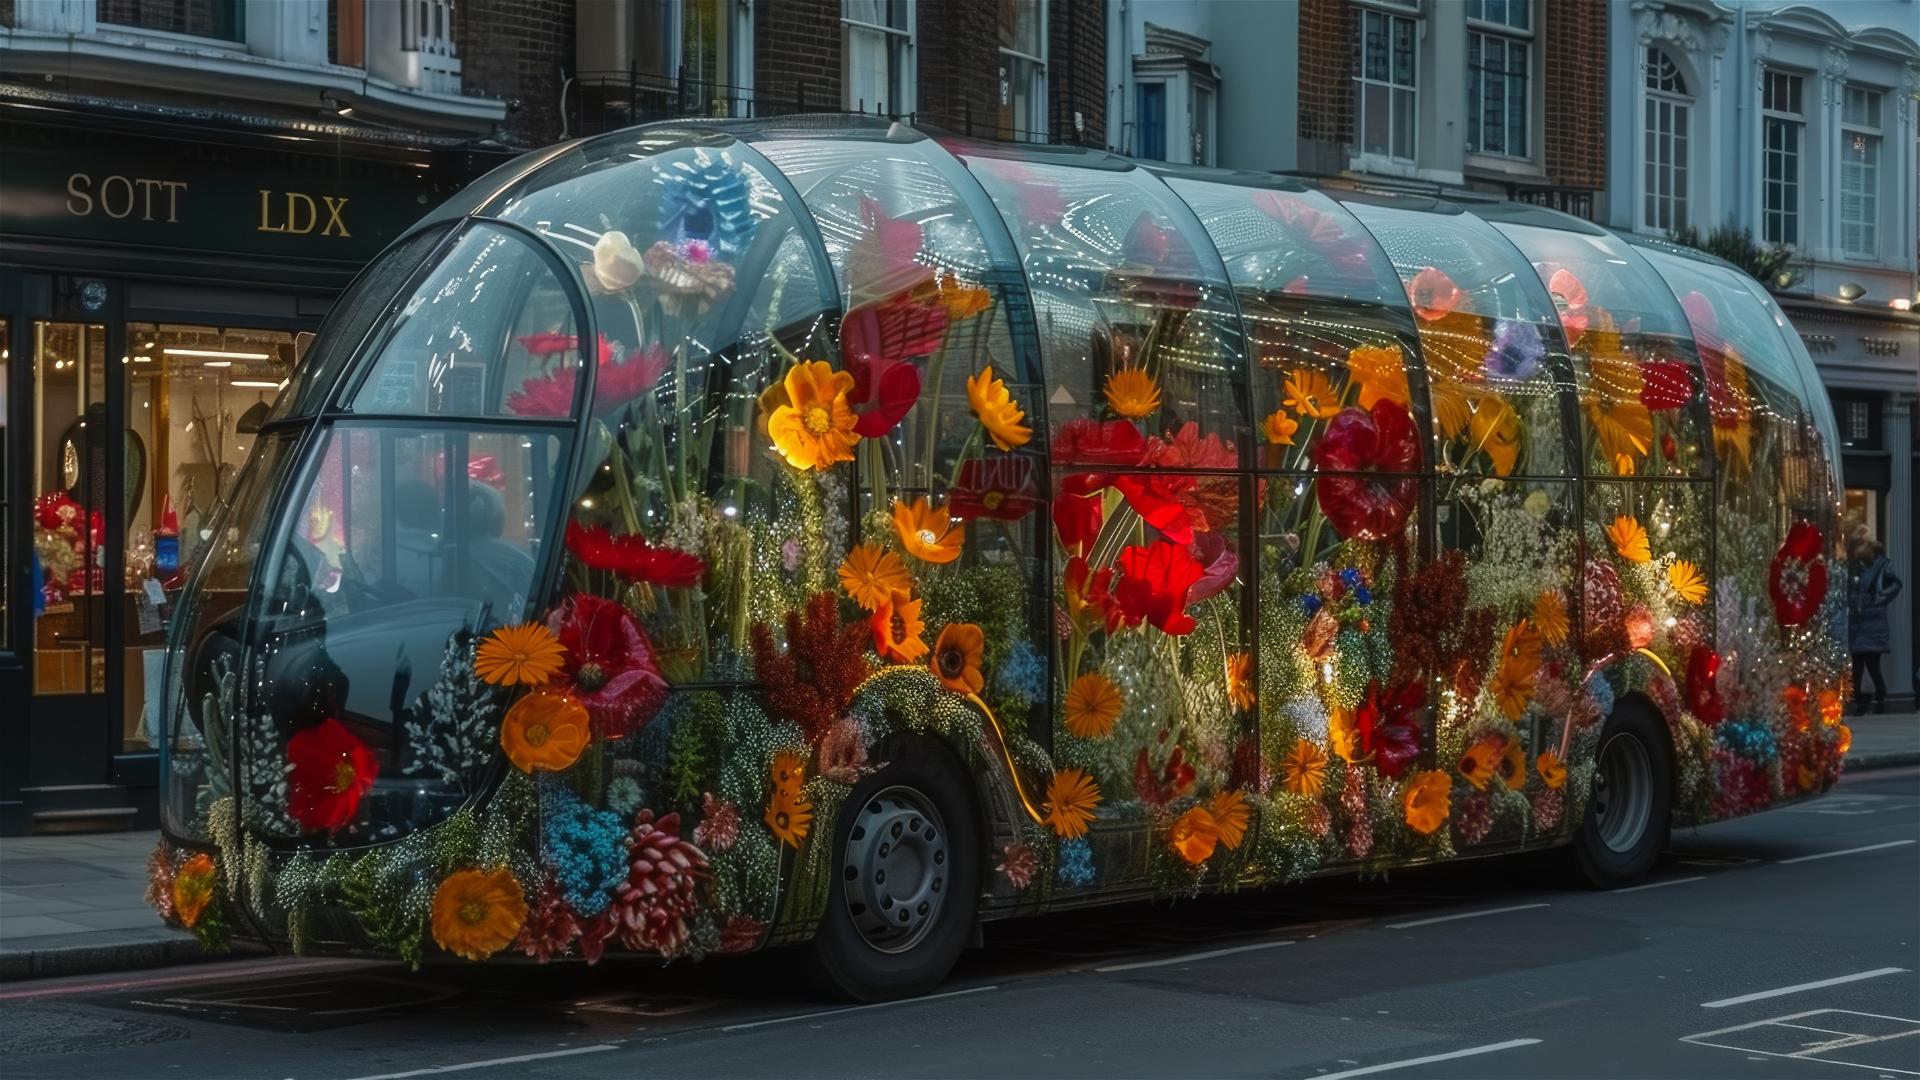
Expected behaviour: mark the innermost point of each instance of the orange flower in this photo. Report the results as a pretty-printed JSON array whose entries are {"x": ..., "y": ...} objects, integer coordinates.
[
  {"x": 1093, "y": 706},
  {"x": 1795, "y": 697},
  {"x": 1513, "y": 765},
  {"x": 1071, "y": 799},
  {"x": 960, "y": 299},
  {"x": 1688, "y": 583},
  {"x": 871, "y": 575},
  {"x": 1550, "y": 616},
  {"x": 1433, "y": 294},
  {"x": 926, "y": 532},
  {"x": 1845, "y": 741},
  {"x": 1513, "y": 680},
  {"x": 993, "y": 404},
  {"x": 1380, "y": 373},
  {"x": 789, "y": 813},
  {"x": 1132, "y": 392},
  {"x": 476, "y": 913},
  {"x": 1230, "y": 812},
  {"x": 1495, "y": 428},
  {"x": 1832, "y": 706},
  {"x": 1427, "y": 801},
  {"x": 1304, "y": 770},
  {"x": 1279, "y": 428},
  {"x": 1625, "y": 431},
  {"x": 528, "y": 653},
  {"x": 1481, "y": 761},
  {"x": 1629, "y": 539},
  {"x": 1240, "y": 680},
  {"x": 1194, "y": 835},
  {"x": 193, "y": 889},
  {"x": 956, "y": 657},
  {"x": 1342, "y": 738},
  {"x": 814, "y": 428},
  {"x": 1553, "y": 772},
  {"x": 1311, "y": 393},
  {"x": 546, "y": 730},
  {"x": 897, "y": 628}
]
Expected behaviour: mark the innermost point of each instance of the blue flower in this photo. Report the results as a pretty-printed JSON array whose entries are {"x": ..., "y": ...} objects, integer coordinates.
[
  {"x": 1076, "y": 862},
  {"x": 1517, "y": 350},
  {"x": 1350, "y": 577},
  {"x": 1362, "y": 595},
  {"x": 1750, "y": 739},
  {"x": 1602, "y": 693},
  {"x": 585, "y": 848},
  {"x": 705, "y": 198},
  {"x": 624, "y": 795},
  {"x": 1023, "y": 674},
  {"x": 1311, "y": 602}
]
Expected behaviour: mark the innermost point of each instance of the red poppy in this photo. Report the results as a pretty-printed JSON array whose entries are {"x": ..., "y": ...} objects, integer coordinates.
[
  {"x": 1079, "y": 511},
  {"x": 1388, "y": 724},
  {"x": 332, "y": 769},
  {"x": 1211, "y": 503},
  {"x": 1218, "y": 565},
  {"x": 1161, "y": 501},
  {"x": 1703, "y": 687},
  {"x": 1434, "y": 294},
  {"x": 1665, "y": 384},
  {"x": 616, "y": 383},
  {"x": 1091, "y": 592},
  {"x": 1381, "y": 441},
  {"x": 1701, "y": 318},
  {"x": 1797, "y": 580},
  {"x": 999, "y": 487},
  {"x": 632, "y": 558},
  {"x": 1154, "y": 585},
  {"x": 876, "y": 342},
  {"x": 1108, "y": 443},
  {"x": 1570, "y": 296},
  {"x": 1173, "y": 780},
  {"x": 610, "y": 664}
]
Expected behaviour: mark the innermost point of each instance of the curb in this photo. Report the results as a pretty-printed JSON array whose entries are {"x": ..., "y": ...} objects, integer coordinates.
[
  {"x": 1892, "y": 759},
  {"x": 62, "y": 955}
]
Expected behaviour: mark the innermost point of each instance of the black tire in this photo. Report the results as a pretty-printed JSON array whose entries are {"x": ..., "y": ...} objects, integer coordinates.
[
  {"x": 1627, "y": 821},
  {"x": 915, "y": 817}
]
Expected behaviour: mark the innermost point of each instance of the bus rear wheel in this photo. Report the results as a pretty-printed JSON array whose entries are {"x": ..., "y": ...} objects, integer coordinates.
[
  {"x": 1626, "y": 825},
  {"x": 906, "y": 876}
]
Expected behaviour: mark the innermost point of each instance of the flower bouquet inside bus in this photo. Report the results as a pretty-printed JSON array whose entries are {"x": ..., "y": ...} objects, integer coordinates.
[{"x": 847, "y": 537}]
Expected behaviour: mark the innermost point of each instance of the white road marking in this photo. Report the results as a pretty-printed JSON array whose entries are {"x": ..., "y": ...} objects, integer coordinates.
[
  {"x": 1797, "y": 987},
  {"x": 1848, "y": 851},
  {"x": 1471, "y": 1051},
  {"x": 856, "y": 1008},
  {"x": 1814, "y": 1051},
  {"x": 1191, "y": 957},
  {"x": 1462, "y": 915},
  {"x": 517, "y": 1059},
  {"x": 1661, "y": 884}
]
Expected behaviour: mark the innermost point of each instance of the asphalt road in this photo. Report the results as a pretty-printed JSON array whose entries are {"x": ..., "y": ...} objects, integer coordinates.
[{"x": 1784, "y": 945}]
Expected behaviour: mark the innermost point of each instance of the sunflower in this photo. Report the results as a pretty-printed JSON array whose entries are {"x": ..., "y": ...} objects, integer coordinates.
[
  {"x": 897, "y": 629},
  {"x": 871, "y": 575},
  {"x": 1071, "y": 798},
  {"x": 956, "y": 657},
  {"x": 1279, "y": 428},
  {"x": 1688, "y": 583},
  {"x": 1304, "y": 770},
  {"x": 528, "y": 654},
  {"x": 1629, "y": 539},
  {"x": 927, "y": 532},
  {"x": 1553, "y": 772},
  {"x": 1311, "y": 393},
  {"x": 193, "y": 888},
  {"x": 1240, "y": 680},
  {"x": 1132, "y": 392},
  {"x": 1230, "y": 814},
  {"x": 1093, "y": 706},
  {"x": 814, "y": 428},
  {"x": 1194, "y": 835},
  {"x": 1481, "y": 761},
  {"x": 1550, "y": 617},
  {"x": 994, "y": 406},
  {"x": 789, "y": 813},
  {"x": 1426, "y": 802},
  {"x": 476, "y": 913},
  {"x": 546, "y": 730},
  {"x": 1379, "y": 372}
]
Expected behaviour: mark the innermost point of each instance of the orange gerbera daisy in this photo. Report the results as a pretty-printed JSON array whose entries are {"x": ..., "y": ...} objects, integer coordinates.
[
  {"x": 1688, "y": 583},
  {"x": 789, "y": 813},
  {"x": 1550, "y": 617},
  {"x": 1426, "y": 801},
  {"x": 1512, "y": 769},
  {"x": 927, "y": 532},
  {"x": 1132, "y": 392},
  {"x": 1629, "y": 539},
  {"x": 1093, "y": 706},
  {"x": 960, "y": 299},
  {"x": 1481, "y": 761},
  {"x": 871, "y": 575},
  {"x": 1311, "y": 393},
  {"x": 956, "y": 657},
  {"x": 1071, "y": 798},
  {"x": 527, "y": 654},
  {"x": 1240, "y": 680},
  {"x": 1380, "y": 373},
  {"x": 1194, "y": 835},
  {"x": 1279, "y": 428},
  {"x": 814, "y": 428},
  {"x": 1304, "y": 770},
  {"x": 993, "y": 404},
  {"x": 897, "y": 629},
  {"x": 1495, "y": 428},
  {"x": 1553, "y": 771},
  {"x": 476, "y": 913},
  {"x": 546, "y": 730},
  {"x": 1230, "y": 814}
]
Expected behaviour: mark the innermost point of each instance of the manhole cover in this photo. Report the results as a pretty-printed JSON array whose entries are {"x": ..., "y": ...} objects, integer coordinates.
[
  {"x": 302, "y": 1004},
  {"x": 40, "y": 1030}
]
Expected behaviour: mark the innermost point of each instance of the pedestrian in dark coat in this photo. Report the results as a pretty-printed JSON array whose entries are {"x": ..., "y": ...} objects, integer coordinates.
[{"x": 1871, "y": 587}]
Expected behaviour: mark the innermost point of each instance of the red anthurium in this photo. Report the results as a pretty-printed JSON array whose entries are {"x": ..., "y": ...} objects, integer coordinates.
[
  {"x": 1000, "y": 487},
  {"x": 1109, "y": 443},
  {"x": 610, "y": 664},
  {"x": 1388, "y": 724},
  {"x": 1703, "y": 686},
  {"x": 1570, "y": 296},
  {"x": 1380, "y": 441},
  {"x": 876, "y": 342},
  {"x": 632, "y": 558},
  {"x": 332, "y": 769},
  {"x": 1797, "y": 580},
  {"x": 1155, "y": 581},
  {"x": 1665, "y": 384},
  {"x": 1079, "y": 511}
]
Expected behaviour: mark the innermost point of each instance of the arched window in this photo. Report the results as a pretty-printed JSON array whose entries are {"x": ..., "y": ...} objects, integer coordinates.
[{"x": 1668, "y": 128}]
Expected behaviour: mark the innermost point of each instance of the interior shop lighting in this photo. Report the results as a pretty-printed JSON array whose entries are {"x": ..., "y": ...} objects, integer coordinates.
[
  {"x": 257, "y": 384},
  {"x": 221, "y": 354}
]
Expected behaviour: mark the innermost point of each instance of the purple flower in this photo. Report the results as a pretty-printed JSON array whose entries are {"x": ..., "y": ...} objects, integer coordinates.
[{"x": 1517, "y": 350}]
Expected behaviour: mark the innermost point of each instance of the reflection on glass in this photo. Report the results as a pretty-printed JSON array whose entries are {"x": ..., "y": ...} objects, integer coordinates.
[{"x": 69, "y": 508}]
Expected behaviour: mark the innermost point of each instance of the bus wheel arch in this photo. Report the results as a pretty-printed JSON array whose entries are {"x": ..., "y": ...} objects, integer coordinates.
[{"x": 1625, "y": 823}]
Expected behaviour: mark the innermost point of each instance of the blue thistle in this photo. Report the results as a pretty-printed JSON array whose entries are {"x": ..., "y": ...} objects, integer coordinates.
[
  {"x": 1023, "y": 674},
  {"x": 1749, "y": 739},
  {"x": 1602, "y": 693},
  {"x": 585, "y": 848},
  {"x": 705, "y": 198},
  {"x": 1076, "y": 862}
]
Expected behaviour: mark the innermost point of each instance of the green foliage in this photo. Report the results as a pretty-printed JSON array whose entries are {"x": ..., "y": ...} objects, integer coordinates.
[
  {"x": 697, "y": 742},
  {"x": 1735, "y": 243}
]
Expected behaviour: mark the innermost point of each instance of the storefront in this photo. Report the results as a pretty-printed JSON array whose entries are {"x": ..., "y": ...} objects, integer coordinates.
[{"x": 159, "y": 281}]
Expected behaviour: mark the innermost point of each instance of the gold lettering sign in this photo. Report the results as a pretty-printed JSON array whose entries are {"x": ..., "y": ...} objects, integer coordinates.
[
  {"x": 121, "y": 197},
  {"x": 299, "y": 215}
]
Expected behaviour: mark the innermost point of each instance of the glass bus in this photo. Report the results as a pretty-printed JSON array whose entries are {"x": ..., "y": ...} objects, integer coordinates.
[{"x": 703, "y": 537}]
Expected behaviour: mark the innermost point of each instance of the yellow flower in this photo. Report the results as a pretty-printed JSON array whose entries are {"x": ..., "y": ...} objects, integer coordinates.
[
  {"x": 1380, "y": 374},
  {"x": 1093, "y": 706},
  {"x": 1481, "y": 761},
  {"x": 1495, "y": 428},
  {"x": 1843, "y": 738},
  {"x": 1310, "y": 393},
  {"x": 1304, "y": 770},
  {"x": 959, "y": 298},
  {"x": 1194, "y": 835},
  {"x": 1342, "y": 738},
  {"x": 1689, "y": 584},
  {"x": 1427, "y": 800},
  {"x": 814, "y": 429},
  {"x": 1629, "y": 539},
  {"x": 1550, "y": 617},
  {"x": 1230, "y": 813},
  {"x": 1513, "y": 681},
  {"x": 1279, "y": 428},
  {"x": 789, "y": 812},
  {"x": 871, "y": 575},
  {"x": 1071, "y": 798},
  {"x": 528, "y": 654},
  {"x": 928, "y": 533},
  {"x": 1625, "y": 431},
  {"x": 1240, "y": 680},
  {"x": 993, "y": 404},
  {"x": 1553, "y": 772},
  {"x": 476, "y": 913},
  {"x": 1132, "y": 392}
]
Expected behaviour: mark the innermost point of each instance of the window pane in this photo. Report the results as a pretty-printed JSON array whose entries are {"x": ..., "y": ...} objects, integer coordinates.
[
  {"x": 1403, "y": 51},
  {"x": 1373, "y": 119}
]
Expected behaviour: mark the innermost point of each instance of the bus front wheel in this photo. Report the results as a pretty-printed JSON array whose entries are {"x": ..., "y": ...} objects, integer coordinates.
[
  {"x": 906, "y": 875},
  {"x": 1626, "y": 825}
]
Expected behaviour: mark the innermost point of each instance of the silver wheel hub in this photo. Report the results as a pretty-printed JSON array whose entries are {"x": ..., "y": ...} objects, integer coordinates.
[
  {"x": 1623, "y": 793},
  {"x": 895, "y": 869}
]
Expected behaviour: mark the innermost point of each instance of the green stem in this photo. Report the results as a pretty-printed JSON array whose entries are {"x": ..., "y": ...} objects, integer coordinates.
[{"x": 966, "y": 449}]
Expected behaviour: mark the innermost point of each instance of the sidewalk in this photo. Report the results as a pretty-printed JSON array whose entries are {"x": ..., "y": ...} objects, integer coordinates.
[{"x": 76, "y": 904}]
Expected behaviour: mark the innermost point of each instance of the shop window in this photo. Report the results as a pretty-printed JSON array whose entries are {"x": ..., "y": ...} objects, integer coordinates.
[{"x": 69, "y": 471}]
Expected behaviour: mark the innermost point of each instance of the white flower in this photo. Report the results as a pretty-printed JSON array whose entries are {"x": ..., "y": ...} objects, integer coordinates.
[
  {"x": 616, "y": 262},
  {"x": 1539, "y": 502}
]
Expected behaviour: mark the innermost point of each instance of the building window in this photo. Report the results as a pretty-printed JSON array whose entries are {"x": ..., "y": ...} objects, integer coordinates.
[
  {"x": 1783, "y": 128},
  {"x": 1202, "y": 126},
  {"x": 1860, "y": 173},
  {"x": 1387, "y": 80},
  {"x": 1499, "y": 102},
  {"x": 1023, "y": 69},
  {"x": 1668, "y": 129},
  {"x": 1153, "y": 121},
  {"x": 879, "y": 55},
  {"x": 1859, "y": 423}
]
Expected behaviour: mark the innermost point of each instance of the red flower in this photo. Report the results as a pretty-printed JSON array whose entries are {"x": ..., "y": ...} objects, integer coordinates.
[
  {"x": 1078, "y": 512},
  {"x": 1161, "y": 501},
  {"x": 610, "y": 665},
  {"x": 632, "y": 558},
  {"x": 1570, "y": 296},
  {"x": 616, "y": 384},
  {"x": 876, "y": 342},
  {"x": 1000, "y": 487},
  {"x": 885, "y": 260},
  {"x": 331, "y": 770},
  {"x": 1109, "y": 443},
  {"x": 1703, "y": 687},
  {"x": 1154, "y": 584},
  {"x": 1665, "y": 384},
  {"x": 1212, "y": 504},
  {"x": 1388, "y": 724},
  {"x": 1173, "y": 781},
  {"x": 1797, "y": 581},
  {"x": 1218, "y": 562},
  {"x": 1434, "y": 294},
  {"x": 1382, "y": 441},
  {"x": 1088, "y": 592},
  {"x": 1317, "y": 231}
]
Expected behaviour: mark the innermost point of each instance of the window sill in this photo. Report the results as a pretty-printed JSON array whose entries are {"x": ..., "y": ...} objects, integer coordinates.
[
  {"x": 1403, "y": 169},
  {"x": 1500, "y": 165}
]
